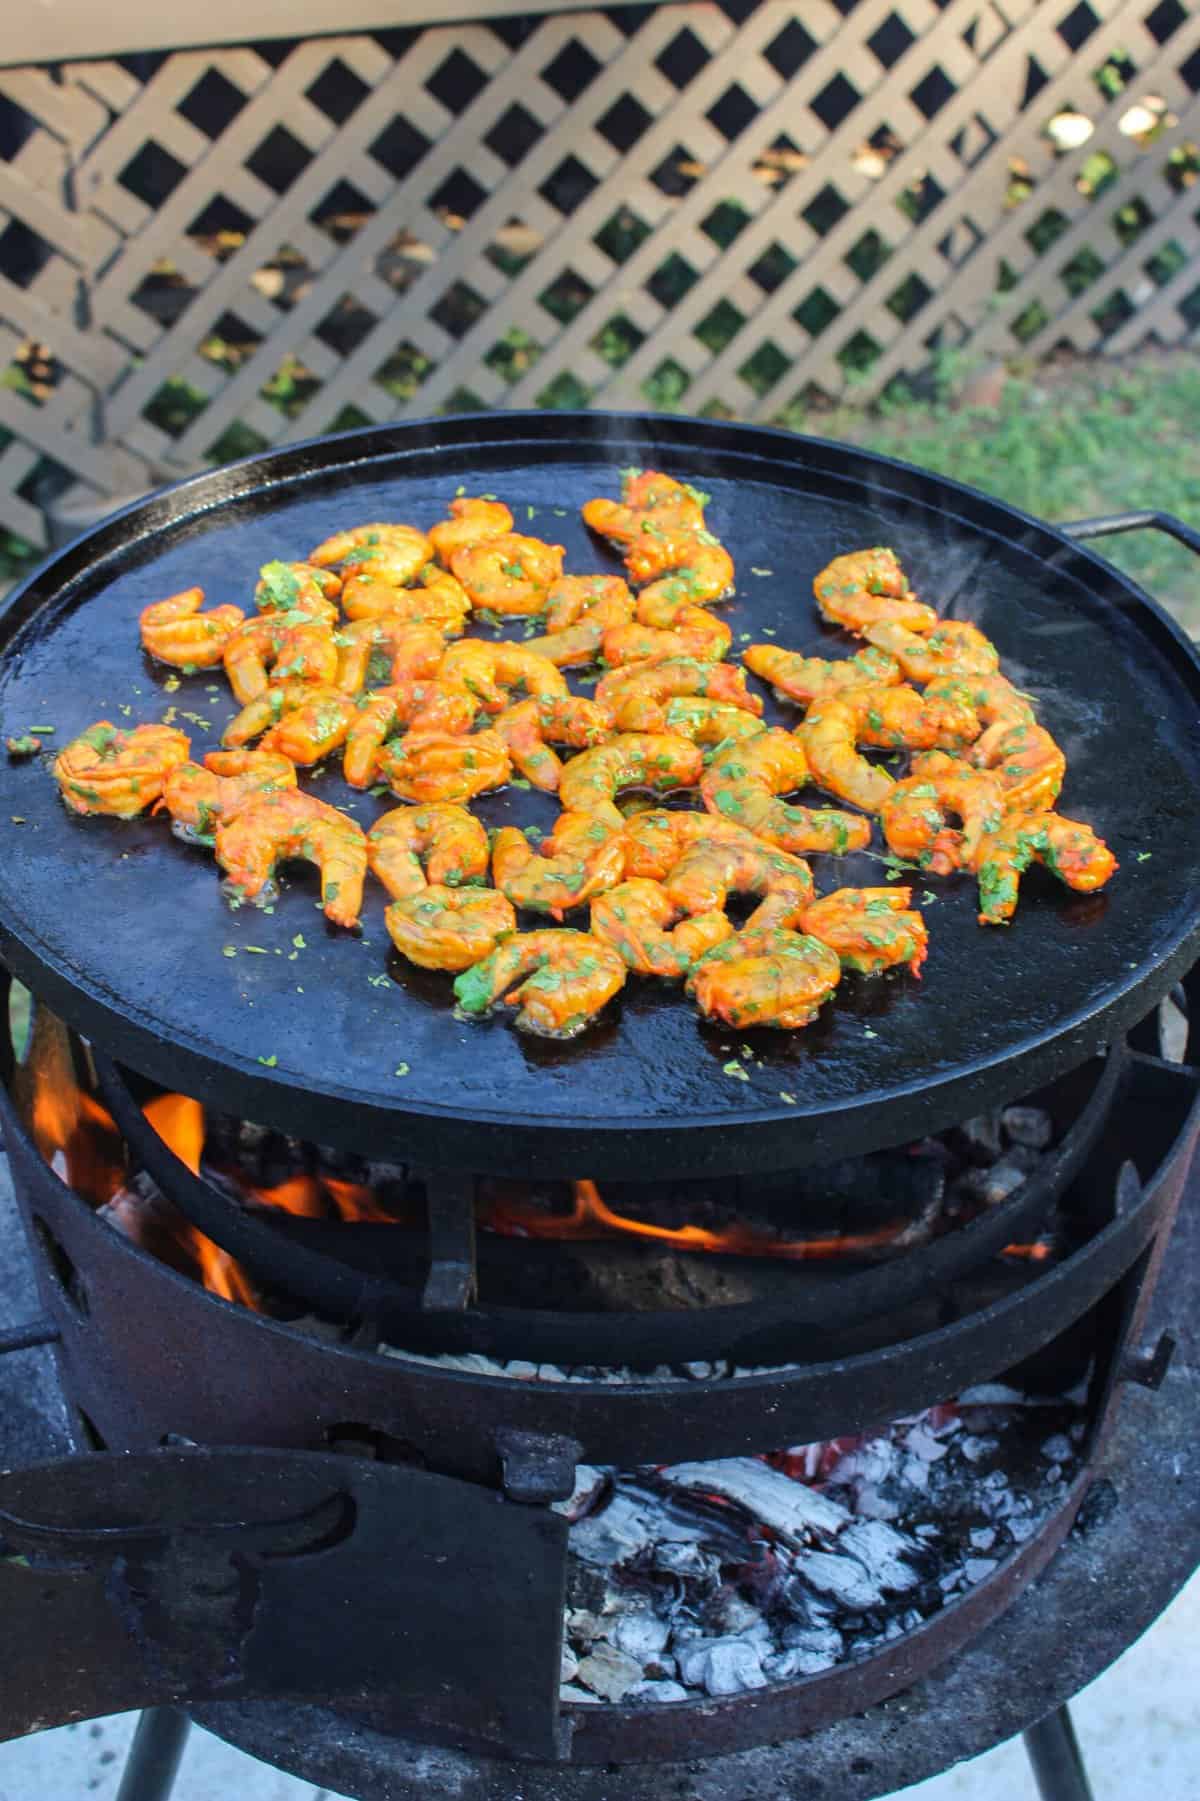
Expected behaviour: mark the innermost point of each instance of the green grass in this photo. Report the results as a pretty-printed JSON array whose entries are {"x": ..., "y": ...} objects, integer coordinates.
[{"x": 1065, "y": 443}]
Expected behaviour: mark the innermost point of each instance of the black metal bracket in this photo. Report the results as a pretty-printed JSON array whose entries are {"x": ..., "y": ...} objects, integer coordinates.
[
  {"x": 538, "y": 1467},
  {"x": 450, "y": 1200},
  {"x": 1148, "y": 1365},
  {"x": 1111, "y": 523}
]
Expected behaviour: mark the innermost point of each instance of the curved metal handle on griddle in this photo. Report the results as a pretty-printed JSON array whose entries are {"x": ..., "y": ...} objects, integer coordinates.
[
  {"x": 1134, "y": 522},
  {"x": 324, "y": 1284}
]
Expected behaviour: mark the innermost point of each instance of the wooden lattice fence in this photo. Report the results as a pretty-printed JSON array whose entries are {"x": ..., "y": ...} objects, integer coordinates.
[{"x": 723, "y": 208}]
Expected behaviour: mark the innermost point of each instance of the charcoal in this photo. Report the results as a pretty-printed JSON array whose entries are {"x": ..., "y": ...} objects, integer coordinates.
[
  {"x": 590, "y": 1483},
  {"x": 584, "y": 1625},
  {"x": 609, "y": 1672},
  {"x": 722, "y": 1666},
  {"x": 570, "y": 1663},
  {"x": 654, "y": 1693},
  {"x": 586, "y": 1585},
  {"x": 882, "y": 1552},
  {"x": 975, "y": 1449},
  {"x": 991, "y": 1186},
  {"x": 687, "y": 1560},
  {"x": 789, "y": 1508},
  {"x": 640, "y": 1634},
  {"x": 976, "y": 1568},
  {"x": 922, "y": 1443},
  {"x": 983, "y": 1538},
  {"x": 784, "y": 1666},
  {"x": 1057, "y": 1448},
  {"x": 1027, "y": 1126},
  {"x": 818, "y": 1641},
  {"x": 731, "y": 1615},
  {"x": 980, "y": 1137},
  {"x": 615, "y": 1534},
  {"x": 842, "y": 1577},
  {"x": 573, "y": 1694}
]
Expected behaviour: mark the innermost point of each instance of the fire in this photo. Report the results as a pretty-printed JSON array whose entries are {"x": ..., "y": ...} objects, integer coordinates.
[
  {"x": 355, "y": 1201},
  {"x": 299, "y": 1195},
  {"x": 1040, "y": 1252},
  {"x": 179, "y": 1122},
  {"x": 591, "y": 1217}
]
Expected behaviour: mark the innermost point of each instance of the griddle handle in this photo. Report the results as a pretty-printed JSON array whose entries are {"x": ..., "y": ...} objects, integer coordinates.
[{"x": 1134, "y": 522}]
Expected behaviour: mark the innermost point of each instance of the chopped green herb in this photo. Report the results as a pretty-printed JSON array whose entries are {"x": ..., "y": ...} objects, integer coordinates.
[
  {"x": 927, "y": 899},
  {"x": 300, "y": 942},
  {"x": 735, "y": 1070},
  {"x": 254, "y": 950},
  {"x": 868, "y": 1033},
  {"x": 229, "y": 950},
  {"x": 269, "y": 1062},
  {"x": 1144, "y": 856},
  {"x": 785, "y": 1096},
  {"x": 43, "y": 731},
  {"x": 755, "y": 571},
  {"x": 401, "y": 1069}
]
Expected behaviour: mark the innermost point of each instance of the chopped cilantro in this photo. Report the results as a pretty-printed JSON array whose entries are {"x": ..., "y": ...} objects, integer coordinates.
[
  {"x": 1144, "y": 856},
  {"x": 300, "y": 942},
  {"x": 229, "y": 950},
  {"x": 734, "y": 1069},
  {"x": 868, "y": 1033},
  {"x": 401, "y": 1069},
  {"x": 42, "y": 731},
  {"x": 269, "y": 1062},
  {"x": 785, "y": 1096}
]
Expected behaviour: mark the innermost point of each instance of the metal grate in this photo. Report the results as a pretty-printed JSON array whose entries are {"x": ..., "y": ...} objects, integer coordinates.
[{"x": 726, "y": 209}]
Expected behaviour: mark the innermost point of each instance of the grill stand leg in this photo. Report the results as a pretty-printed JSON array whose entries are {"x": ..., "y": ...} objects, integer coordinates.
[
  {"x": 1057, "y": 1762},
  {"x": 154, "y": 1755}
]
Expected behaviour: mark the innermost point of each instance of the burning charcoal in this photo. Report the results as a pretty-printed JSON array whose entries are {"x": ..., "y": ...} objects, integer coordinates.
[
  {"x": 842, "y": 1577},
  {"x": 571, "y": 1693},
  {"x": 922, "y": 1443},
  {"x": 782, "y": 1666},
  {"x": 570, "y": 1663},
  {"x": 585, "y": 1625},
  {"x": 817, "y": 1641},
  {"x": 640, "y": 1634},
  {"x": 881, "y": 1551},
  {"x": 991, "y": 1394},
  {"x": 609, "y": 1672},
  {"x": 976, "y": 1568},
  {"x": 1058, "y": 1448},
  {"x": 615, "y": 1534},
  {"x": 983, "y": 1538},
  {"x": 722, "y": 1666},
  {"x": 688, "y": 1561},
  {"x": 589, "y": 1485},
  {"x": 657, "y": 1692},
  {"x": 1028, "y": 1126},
  {"x": 991, "y": 1186},
  {"x": 980, "y": 1137},
  {"x": 976, "y": 1449},
  {"x": 789, "y": 1508},
  {"x": 731, "y": 1616}
]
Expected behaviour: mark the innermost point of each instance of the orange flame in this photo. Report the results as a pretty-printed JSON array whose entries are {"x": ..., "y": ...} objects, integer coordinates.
[
  {"x": 300, "y": 1195},
  {"x": 354, "y": 1201},
  {"x": 1032, "y": 1253},
  {"x": 78, "y": 1138},
  {"x": 592, "y": 1218},
  {"x": 179, "y": 1122}
]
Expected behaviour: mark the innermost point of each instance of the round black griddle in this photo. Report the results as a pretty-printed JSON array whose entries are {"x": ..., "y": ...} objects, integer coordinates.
[{"x": 278, "y": 1017}]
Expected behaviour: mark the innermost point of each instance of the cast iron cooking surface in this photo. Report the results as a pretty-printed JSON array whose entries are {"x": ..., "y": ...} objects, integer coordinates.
[{"x": 282, "y": 1019}]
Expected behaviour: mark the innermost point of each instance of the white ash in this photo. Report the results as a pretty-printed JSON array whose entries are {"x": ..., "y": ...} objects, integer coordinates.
[{"x": 718, "y": 1578}]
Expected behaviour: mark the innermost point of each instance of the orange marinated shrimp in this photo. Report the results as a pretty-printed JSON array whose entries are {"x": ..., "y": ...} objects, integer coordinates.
[
  {"x": 306, "y": 733},
  {"x": 511, "y": 575},
  {"x": 471, "y": 522},
  {"x": 532, "y": 726},
  {"x": 865, "y": 586},
  {"x": 742, "y": 785},
  {"x": 175, "y": 631},
  {"x": 291, "y": 644},
  {"x": 703, "y": 574},
  {"x": 703, "y": 721},
  {"x": 290, "y": 826},
  {"x": 119, "y": 773},
  {"x": 428, "y": 766},
  {"x": 437, "y": 600},
  {"x": 901, "y": 719},
  {"x": 494, "y": 672},
  {"x": 449, "y": 928},
  {"x": 954, "y": 648},
  {"x": 914, "y": 814},
  {"x": 765, "y": 978},
  {"x": 829, "y": 735},
  {"x": 448, "y": 840},
  {"x": 651, "y": 505},
  {"x": 655, "y": 841},
  {"x": 269, "y": 707},
  {"x": 634, "y": 690},
  {"x": 871, "y": 929},
  {"x": 695, "y": 634},
  {"x": 564, "y": 978},
  {"x": 395, "y": 553},
  {"x": 422, "y": 706},
  {"x": 652, "y": 932},
  {"x": 1026, "y": 762},
  {"x": 1066, "y": 846},
  {"x": 708, "y": 873},
  {"x": 806, "y": 679},
  {"x": 413, "y": 649},
  {"x": 298, "y": 587},
  {"x": 197, "y": 796},
  {"x": 579, "y": 610},
  {"x": 591, "y": 781},
  {"x": 583, "y": 856},
  {"x": 992, "y": 698}
]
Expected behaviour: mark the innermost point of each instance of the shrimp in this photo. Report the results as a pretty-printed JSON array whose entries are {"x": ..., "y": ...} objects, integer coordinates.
[
  {"x": 564, "y": 978},
  {"x": 656, "y": 841},
  {"x": 579, "y": 610},
  {"x": 175, "y": 631},
  {"x": 532, "y": 726},
  {"x": 805, "y": 679},
  {"x": 196, "y": 795},
  {"x": 289, "y": 826},
  {"x": 651, "y": 504},
  {"x": 298, "y": 587},
  {"x": 708, "y": 873},
  {"x": 422, "y": 706},
  {"x": 765, "y": 978},
  {"x": 914, "y": 814},
  {"x": 1066, "y": 846},
  {"x": 511, "y": 574},
  {"x": 411, "y": 648},
  {"x": 742, "y": 785},
  {"x": 955, "y": 648},
  {"x": 428, "y": 766},
  {"x": 638, "y": 692},
  {"x": 395, "y": 552},
  {"x": 871, "y": 929},
  {"x": 438, "y": 600},
  {"x": 471, "y": 522},
  {"x": 703, "y": 574},
  {"x": 652, "y": 932},
  {"x": 448, "y": 840},
  {"x": 703, "y": 721},
  {"x": 274, "y": 704},
  {"x": 449, "y": 928},
  {"x": 1026, "y": 762},
  {"x": 992, "y": 698},
  {"x": 292, "y": 643},
  {"x": 584, "y": 856},
  {"x": 494, "y": 672},
  {"x": 695, "y": 634},
  {"x": 119, "y": 773},
  {"x": 864, "y": 586},
  {"x": 591, "y": 781},
  {"x": 319, "y": 724},
  {"x": 888, "y": 718}
]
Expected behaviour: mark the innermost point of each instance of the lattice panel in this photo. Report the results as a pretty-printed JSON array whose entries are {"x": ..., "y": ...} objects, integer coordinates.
[{"x": 727, "y": 209}]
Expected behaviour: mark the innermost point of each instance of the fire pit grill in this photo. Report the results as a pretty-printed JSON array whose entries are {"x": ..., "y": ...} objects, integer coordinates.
[{"x": 646, "y": 1092}]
